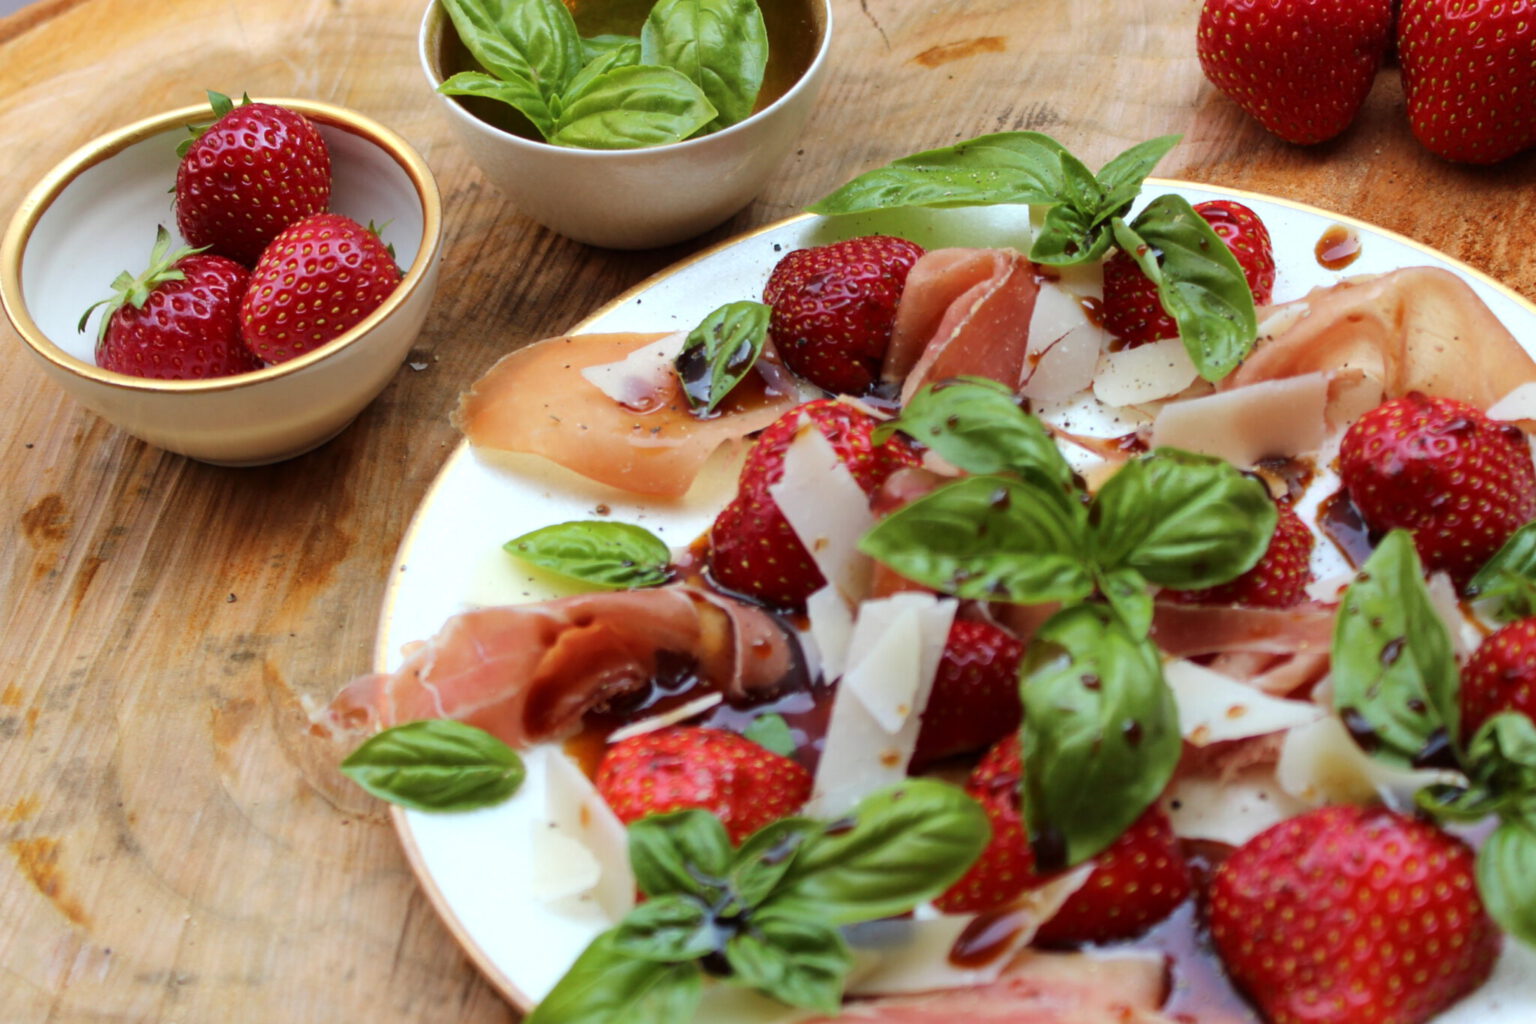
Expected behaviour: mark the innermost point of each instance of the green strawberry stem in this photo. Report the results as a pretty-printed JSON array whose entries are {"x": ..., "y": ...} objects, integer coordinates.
[{"x": 134, "y": 291}]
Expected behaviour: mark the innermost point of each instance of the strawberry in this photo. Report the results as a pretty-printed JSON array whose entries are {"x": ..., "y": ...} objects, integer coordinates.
[
  {"x": 743, "y": 784},
  {"x": 1351, "y": 915},
  {"x": 752, "y": 550},
  {"x": 178, "y": 320},
  {"x": 320, "y": 277},
  {"x": 1468, "y": 76},
  {"x": 1280, "y": 578},
  {"x": 833, "y": 308},
  {"x": 1302, "y": 68},
  {"x": 1438, "y": 467},
  {"x": 1500, "y": 676},
  {"x": 258, "y": 168},
  {"x": 1132, "y": 310},
  {"x": 1136, "y": 881},
  {"x": 975, "y": 698}
]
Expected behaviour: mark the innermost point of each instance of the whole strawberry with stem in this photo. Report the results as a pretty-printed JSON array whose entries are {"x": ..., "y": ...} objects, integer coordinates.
[
  {"x": 1301, "y": 68},
  {"x": 317, "y": 280},
  {"x": 1469, "y": 72},
  {"x": 1132, "y": 310},
  {"x": 753, "y": 551},
  {"x": 1352, "y": 915},
  {"x": 743, "y": 784},
  {"x": 177, "y": 320},
  {"x": 834, "y": 307},
  {"x": 256, "y": 169},
  {"x": 1500, "y": 675},
  {"x": 1280, "y": 578},
  {"x": 975, "y": 697},
  {"x": 1439, "y": 468}
]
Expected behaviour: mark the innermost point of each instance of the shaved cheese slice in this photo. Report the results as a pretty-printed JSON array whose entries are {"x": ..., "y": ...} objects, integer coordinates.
[
  {"x": 1214, "y": 707},
  {"x": 575, "y": 812},
  {"x": 1066, "y": 366},
  {"x": 886, "y": 677},
  {"x": 561, "y": 866},
  {"x": 1231, "y": 809},
  {"x": 1321, "y": 764},
  {"x": 1056, "y": 314},
  {"x": 1519, "y": 404},
  {"x": 831, "y": 626},
  {"x": 681, "y": 713},
  {"x": 636, "y": 380},
  {"x": 1146, "y": 373},
  {"x": 1465, "y": 636},
  {"x": 826, "y": 508},
  {"x": 1244, "y": 425}
]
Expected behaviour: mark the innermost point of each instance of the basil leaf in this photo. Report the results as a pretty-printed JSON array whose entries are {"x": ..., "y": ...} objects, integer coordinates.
[
  {"x": 766, "y": 856},
  {"x": 610, "y": 555},
  {"x": 1100, "y": 737},
  {"x": 605, "y": 985},
  {"x": 593, "y": 47},
  {"x": 1394, "y": 677},
  {"x": 721, "y": 45},
  {"x": 686, "y": 852},
  {"x": 630, "y": 107},
  {"x": 1502, "y": 755},
  {"x": 899, "y": 847},
  {"x": 1182, "y": 520},
  {"x": 668, "y": 929},
  {"x": 1126, "y": 591},
  {"x": 771, "y": 732},
  {"x": 520, "y": 93},
  {"x": 720, "y": 351},
  {"x": 1069, "y": 235},
  {"x": 1457, "y": 803},
  {"x": 1121, "y": 178},
  {"x": 436, "y": 764},
  {"x": 1509, "y": 577},
  {"x": 989, "y": 538},
  {"x": 533, "y": 41},
  {"x": 979, "y": 426},
  {"x": 796, "y": 959},
  {"x": 1199, "y": 282},
  {"x": 625, "y": 54},
  {"x": 1506, "y": 877}
]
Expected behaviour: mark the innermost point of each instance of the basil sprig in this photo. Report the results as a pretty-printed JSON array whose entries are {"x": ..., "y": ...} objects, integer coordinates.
[
  {"x": 696, "y": 67},
  {"x": 603, "y": 554},
  {"x": 1507, "y": 582},
  {"x": 765, "y": 915},
  {"x": 720, "y": 351},
  {"x": 436, "y": 764}
]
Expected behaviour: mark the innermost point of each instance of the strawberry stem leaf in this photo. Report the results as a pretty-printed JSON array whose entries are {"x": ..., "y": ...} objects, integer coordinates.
[{"x": 131, "y": 290}]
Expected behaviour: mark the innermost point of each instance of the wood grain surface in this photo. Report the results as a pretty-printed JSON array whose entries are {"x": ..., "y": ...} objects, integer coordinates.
[{"x": 171, "y": 847}]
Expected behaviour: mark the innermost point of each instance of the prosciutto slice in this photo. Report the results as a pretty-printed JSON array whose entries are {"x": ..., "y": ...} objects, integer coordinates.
[
  {"x": 528, "y": 673},
  {"x": 962, "y": 312},
  {"x": 537, "y": 401}
]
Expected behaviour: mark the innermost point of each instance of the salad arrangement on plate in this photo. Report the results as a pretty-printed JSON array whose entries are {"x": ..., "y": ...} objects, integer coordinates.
[{"x": 951, "y": 680}]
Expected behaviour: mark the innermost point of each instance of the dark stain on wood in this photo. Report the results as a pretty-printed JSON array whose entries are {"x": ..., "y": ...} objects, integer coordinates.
[
  {"x": 46, "y": 522},
  {"x": 944, "y": 53},
  {"x": 38, "y": 859}
]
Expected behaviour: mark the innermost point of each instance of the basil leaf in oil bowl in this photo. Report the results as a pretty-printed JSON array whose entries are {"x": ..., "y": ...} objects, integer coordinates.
[
  {"x": 436, "y": 765},
  {"x": 631, "y": 107},
  {"x": 599, "y": 553},
  {"x": 608, "y": 986},
  {"x": 531, "y": 46},
  {"x": 720, "y": 45},
  {"x": 593, "y": 47},
  {"x": 721, "y": 351}
]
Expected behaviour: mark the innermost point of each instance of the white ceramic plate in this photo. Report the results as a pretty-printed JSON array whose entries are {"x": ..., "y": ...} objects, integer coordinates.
[{"x": 474, "y": 866}]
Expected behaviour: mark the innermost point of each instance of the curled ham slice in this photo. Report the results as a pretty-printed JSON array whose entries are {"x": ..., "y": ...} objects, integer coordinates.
[
  {"x": 536, "y": 401},
  {"x": 963, "y": 312},
  {"x": 528, "y": 673},
  {"x": 1189, "y": 631},
  {"x": 1415, "y": 329}
]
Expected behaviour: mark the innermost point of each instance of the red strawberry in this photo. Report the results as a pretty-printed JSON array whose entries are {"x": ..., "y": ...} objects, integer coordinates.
[
  {"x": 743, "y": 784},
  {"x": 1132, "y": 310},
  {"x": 1302, "y": 68},
  {"x": 254, "y": 171},
  {"x": 1469, "y": 72},
  {"x": 178, "y": 320},
  {"x": 833, "y": 307},
  {"x": 319, "y": 278},
  {"x": 1439, "y": 468},
  {"x": 1136, "y": 881},
  {"x": 752, "y": 549},
  {"x": 1280, "y": 578},
  {"x": 1351, "y": 915},
  {"x": 1500, "y": 676},
  {"x": 975, "y": 699}
]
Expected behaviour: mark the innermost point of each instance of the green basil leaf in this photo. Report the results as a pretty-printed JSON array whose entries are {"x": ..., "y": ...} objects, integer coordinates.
[
  {"x": 1459, "y": 803},
  {"x": 1509, "y": 577},
  {"x": 990, "y": 538},
  {"x": 521, "y": 40},
  {"x": 1069, "y": 235},
  {"x": 979, "y": 426},
  {"x": 1122, "y": 177},
  {"x": 630, "y": 107},
  {"x": 1501, "y": 756},
  {"x": 625, "y": 54},
  {"x": 1100, "y": 737},
  {"x": 685, "y": 852},
  {"x": 721, "y": 45},
  {"x": 436, "y": 764},
  {"x": 771, "y": 732},
  {"x": 1199, "y": 282},
  {"x": 899, "y": 847},
  {"x": 519, "y": 93},
  {"x": 1126, "y": 591},
  {"x": 1182, "y": 520},
  {"x": 794, "y": 958},
  {"x": 593, "y": 47},
  {"x": 1506, "y": 877},
  {"x": 1395, "y": 681},
  {"x": 668, "y": 929},
  {"x": 605, "y": 985},
  {"x": 610, "y": 555},
  {"x": 720, "y": 351},
  {"x": 766, "y": 856}
]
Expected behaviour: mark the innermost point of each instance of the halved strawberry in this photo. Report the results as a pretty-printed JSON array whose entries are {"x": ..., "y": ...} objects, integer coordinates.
[
  {"x": 1280, "y": 578},
  {"x": 975, "y": 697}
]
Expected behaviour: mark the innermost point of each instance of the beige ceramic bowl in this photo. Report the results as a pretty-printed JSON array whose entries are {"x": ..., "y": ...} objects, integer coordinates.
[
  {"x": 640, "y": 198},
  {"x": 94, "y": 215}
]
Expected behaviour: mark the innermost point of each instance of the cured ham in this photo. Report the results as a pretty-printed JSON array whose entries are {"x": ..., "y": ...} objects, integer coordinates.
[
  {"x": 528, "y": 673},
  {"x": 1188, "y": 631},
  {"x": 962, "y": 312},
  {"x": 538, "y": 401}
]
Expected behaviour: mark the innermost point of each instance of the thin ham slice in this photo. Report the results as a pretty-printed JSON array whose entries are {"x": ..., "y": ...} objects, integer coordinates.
[
  {"x": 528, "y": 673},
  {"x": 537, "y": 401},
  {"x": 1189, "y": 631},
  {"x": 962, "y": 312}
]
